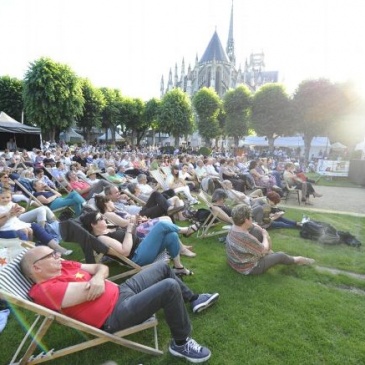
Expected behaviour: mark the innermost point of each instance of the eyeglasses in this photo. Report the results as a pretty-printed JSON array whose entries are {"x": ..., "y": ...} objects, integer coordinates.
[{"x": 53, "y": 254}]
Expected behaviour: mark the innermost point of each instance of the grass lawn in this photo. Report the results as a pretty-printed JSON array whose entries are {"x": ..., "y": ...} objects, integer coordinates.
[{"x": 290, "y": 315}]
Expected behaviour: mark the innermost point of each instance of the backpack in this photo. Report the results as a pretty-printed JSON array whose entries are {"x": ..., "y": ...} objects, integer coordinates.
[
  {"x": 321, "y": 232},
  {"x": 349, "y": 239}
]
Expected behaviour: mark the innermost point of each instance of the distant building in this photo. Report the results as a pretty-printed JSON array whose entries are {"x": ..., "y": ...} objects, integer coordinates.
[{"x": 217, "y": 68}]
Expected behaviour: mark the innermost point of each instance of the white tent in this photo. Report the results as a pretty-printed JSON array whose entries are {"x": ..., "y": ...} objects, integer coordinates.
[
  {"x": 71, "y": 136},
  {"x": 338, "y": 146},
  {"x": 253, "y": 141},
  {"x": 289, "y": 142},
  {"x": 118, "y": 137}
]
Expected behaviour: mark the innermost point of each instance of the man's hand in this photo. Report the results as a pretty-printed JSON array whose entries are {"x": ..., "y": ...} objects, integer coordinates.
[{"x": 96, "y": 287}]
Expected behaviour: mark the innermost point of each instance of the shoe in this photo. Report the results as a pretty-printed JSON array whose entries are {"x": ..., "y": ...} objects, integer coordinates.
[
  {"x": 66, "y": 253},
  {"x": 194, "y": 201},
  {"x": 175, "y": 210},
  {"x": 305, "y": 219},
  {"x": 186, "y": 252},
  {"x": 182, "y": 271},
  {"x": 203, "y": 302},
  {"x": 191, "y": 351},
  {"x": 192, "y": 229}
]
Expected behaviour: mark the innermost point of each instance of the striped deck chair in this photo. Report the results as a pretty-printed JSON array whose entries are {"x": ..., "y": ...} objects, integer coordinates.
[
  {"x": 208, "y": 227},
  {"x": 14, "y": 288}
]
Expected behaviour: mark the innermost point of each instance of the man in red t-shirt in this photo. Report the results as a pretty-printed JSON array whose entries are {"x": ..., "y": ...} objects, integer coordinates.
[
  {"x": 81, "y": 291},
  {"x": 86, "y": 190}
]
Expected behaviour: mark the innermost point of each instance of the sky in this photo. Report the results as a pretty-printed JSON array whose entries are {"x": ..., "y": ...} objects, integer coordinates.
[{"x": 130, "y": 44}]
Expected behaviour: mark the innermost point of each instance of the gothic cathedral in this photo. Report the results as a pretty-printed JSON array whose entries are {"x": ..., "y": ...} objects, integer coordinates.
[{"x": 217, "y": 68}]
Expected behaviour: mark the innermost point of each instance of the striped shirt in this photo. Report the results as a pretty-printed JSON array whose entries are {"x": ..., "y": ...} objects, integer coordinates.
[{"x": 243, "y": 251}]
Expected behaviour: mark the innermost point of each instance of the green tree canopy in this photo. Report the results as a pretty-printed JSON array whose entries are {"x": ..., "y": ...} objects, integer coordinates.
[
  {"x": 93, "y": 107},
  {"x": 151, "y": 115},
  {"x": 52, "y": 96},
  {"x": 11, "y": 97},
  {"x": 237, "y": 104},
  {"x": 176, "y": 115},
  {"x": 271, "y": 112},
  {"x": 317, "y": 105},
  {"x": 207, "y": 105}
]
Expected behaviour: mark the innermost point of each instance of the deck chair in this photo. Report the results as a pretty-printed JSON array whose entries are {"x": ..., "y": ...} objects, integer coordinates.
[
  {"x": 64, "y": 184},
  {"x": 14, "y": 288},
  {"x": 160, "y": 179},
  {"x": 28, "y": 192},
  {"x": 205, "y": 229},
  {"x": 291, "y": 190},
  {"x": 166, "y": 170},
  {"x": 72, "y": 231}
]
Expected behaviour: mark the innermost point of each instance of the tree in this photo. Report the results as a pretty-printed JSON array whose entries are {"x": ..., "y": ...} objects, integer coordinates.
[
  {"x": 318, "y": 104},
  {"x": 111, "y": 115},
  {"x": 52, "y": 96},
  {"x": 237, "y": 105},
  {"x": 151, "y": 115},
  {"x": 132, "y": 114},
  {"x": 176, "y": 115},
  {"x": 11, "y": 97},
  {"x": 207, "y": 105},
  {"x": 270, "y": 114},
  {"x": 93, "y": 107}
]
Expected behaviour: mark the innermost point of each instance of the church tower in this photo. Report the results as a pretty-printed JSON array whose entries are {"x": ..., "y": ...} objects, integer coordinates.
[{"x": 217, "y": 69}]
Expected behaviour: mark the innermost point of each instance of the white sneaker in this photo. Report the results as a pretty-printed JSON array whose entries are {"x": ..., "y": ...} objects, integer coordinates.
[{"x": 194, "y": 201}]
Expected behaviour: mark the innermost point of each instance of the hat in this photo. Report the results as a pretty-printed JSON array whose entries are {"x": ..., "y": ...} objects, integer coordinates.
[{"x": 92, "y": 171}]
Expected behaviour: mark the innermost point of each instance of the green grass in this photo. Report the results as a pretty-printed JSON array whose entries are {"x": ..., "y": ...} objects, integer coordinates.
[
  {"x": 289, "y": 315},
  {"x": 332, "y": 181}
]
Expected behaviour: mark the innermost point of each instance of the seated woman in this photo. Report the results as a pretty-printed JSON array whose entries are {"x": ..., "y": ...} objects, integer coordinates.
[
  {"x": 54, "y": 200},
  {"x": 267, "y": 215},
  {"x": 144, "y": 225},
  {"x": 219, "y": 200},
  {"x": 261, "y": 179},
  {"x": 179, "y": 185},
  {"x": 294, "y": 181},
  {"x": 163, "y": 236},
  {"x": 11, "y": 226},
  {"x": 229, "y": 172},
  {"x": 250, "y": 256}
]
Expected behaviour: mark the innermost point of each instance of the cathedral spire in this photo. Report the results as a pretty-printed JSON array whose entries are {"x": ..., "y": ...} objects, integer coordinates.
[{"x": 230, "y": 41}]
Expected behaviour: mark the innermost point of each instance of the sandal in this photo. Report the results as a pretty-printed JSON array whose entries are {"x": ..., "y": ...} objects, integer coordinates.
[
  {"x": 182, "y": 271},
  {"x": 192, "y": 229}
]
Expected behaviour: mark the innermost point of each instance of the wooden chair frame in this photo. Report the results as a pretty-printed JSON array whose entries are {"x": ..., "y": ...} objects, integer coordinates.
[
  {"x": 291, "y": 190},
  {"x": 14, "y": 289},
  {"x": 205, "y": 228}
]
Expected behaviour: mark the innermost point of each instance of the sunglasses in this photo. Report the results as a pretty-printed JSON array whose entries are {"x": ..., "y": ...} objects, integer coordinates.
[
  {"x": 98, "y": 218},
  {"x": 54, "y": 254}
]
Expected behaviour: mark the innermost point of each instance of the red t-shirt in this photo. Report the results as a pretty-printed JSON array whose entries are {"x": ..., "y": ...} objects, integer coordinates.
[
  {"x": 80, "y": 185},
  {"x": 50, "y": 294}
]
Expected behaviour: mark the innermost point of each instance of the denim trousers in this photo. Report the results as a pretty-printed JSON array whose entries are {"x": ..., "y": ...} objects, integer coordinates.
[
  {"x": 141, "y": 296},
  {"x": 74, "y": 200},
  {"x": 163, "y": 236},
  {"x": 283, "y": 223}
]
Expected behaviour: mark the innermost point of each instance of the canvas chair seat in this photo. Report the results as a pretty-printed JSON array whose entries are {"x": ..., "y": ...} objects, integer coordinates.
[
  {"x": 14, "y": 288},
  {"x": 207, "y": 228}
]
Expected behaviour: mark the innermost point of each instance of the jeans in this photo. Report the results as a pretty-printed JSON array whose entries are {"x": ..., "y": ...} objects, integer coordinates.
[
  {"x": 283, "y": 223},
  {"x": 271, "y": 260},
  {"x": 164, "y": 235},
  {"x": 141, "y": 296},
  {"x": 74, "y": 200}
]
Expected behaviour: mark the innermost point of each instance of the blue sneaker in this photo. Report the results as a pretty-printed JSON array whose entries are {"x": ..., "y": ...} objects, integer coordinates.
[
  {"x": 204, "y": 301},
  {"x": 191, "y": 351}
]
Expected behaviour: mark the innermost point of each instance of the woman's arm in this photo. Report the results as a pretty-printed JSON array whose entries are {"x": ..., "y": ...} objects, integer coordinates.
[
  {"x": 124, "y": 248},
  {"x": 49, "y": 200},
  {"x": 116, "y": 219}
]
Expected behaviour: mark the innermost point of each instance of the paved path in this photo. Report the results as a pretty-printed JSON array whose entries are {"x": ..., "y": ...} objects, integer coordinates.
[{"x": 334, "y": 199}]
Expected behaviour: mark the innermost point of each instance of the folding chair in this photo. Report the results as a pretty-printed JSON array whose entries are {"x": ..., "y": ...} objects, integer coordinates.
[
  {"x": 63, "y": 184},
  {"x": 211, "y": 221},
  {"x": 31, "y": 197},
  {"x": 14, "y": 288},
  {"x": 289, "y": 190},
  {"x": 161, "y": 180}
]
